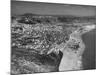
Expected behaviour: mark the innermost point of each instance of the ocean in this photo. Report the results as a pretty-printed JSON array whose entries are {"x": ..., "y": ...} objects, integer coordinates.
[{"x": 89, "y": 55}]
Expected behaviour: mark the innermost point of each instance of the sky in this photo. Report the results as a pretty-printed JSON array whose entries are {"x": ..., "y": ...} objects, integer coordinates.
[{"x": 22, "y": 7}]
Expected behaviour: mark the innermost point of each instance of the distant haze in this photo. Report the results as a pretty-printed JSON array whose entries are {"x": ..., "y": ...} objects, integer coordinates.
[{"x": 21, "y": 7}]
